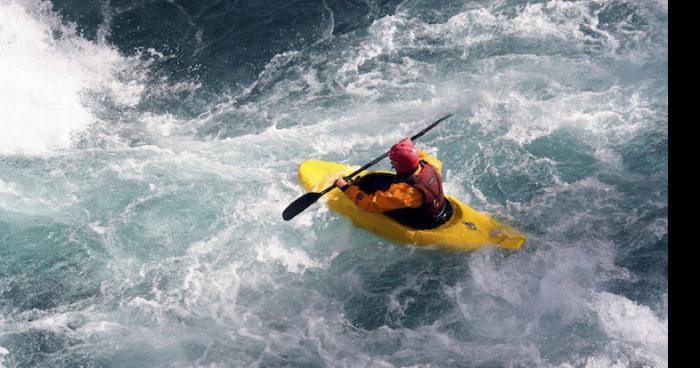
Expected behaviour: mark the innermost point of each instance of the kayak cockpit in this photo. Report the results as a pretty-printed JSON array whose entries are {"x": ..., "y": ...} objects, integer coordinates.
[{"x": 410, "y": 217}]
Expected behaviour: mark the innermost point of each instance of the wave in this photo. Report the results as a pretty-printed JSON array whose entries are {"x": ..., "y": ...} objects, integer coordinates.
[{"x": 150, "y": 148}]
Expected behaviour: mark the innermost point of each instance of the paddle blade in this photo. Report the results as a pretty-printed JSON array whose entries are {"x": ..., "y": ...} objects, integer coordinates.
[{"x": 300, "y": 204}]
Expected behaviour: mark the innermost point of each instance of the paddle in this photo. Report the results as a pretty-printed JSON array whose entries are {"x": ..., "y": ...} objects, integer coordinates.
[{"x": 311, "y": 197}]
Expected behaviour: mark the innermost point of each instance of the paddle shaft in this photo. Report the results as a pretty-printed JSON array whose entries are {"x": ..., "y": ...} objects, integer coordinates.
[{"x": 310, "y": 198}]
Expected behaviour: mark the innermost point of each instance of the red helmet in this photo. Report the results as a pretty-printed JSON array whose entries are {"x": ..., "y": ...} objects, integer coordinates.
[{"x": 404, "y": 156}]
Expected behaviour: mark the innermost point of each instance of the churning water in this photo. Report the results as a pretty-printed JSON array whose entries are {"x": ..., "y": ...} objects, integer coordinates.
[{"x": 148, "y": 149}]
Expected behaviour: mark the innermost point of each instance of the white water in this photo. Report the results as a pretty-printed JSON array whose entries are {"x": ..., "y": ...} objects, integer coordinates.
[
  {"x": 51, "y": 80},
  {"x": 173, "y": 252}
]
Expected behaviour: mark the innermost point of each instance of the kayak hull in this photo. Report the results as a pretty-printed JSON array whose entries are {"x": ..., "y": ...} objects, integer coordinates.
[{"x": 468, "y": 229}]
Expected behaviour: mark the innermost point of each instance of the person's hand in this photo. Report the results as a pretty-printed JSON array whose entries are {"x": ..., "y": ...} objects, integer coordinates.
[
  {"x": 340, "y": 182},
  {"x": 406, "y": 140}
]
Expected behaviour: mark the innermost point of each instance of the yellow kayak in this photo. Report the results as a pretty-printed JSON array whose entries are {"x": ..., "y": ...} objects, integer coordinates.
[{"x": 468, "y": 229}]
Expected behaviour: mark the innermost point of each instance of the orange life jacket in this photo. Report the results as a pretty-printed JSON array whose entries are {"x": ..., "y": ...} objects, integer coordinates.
[{"x": 422, "y": 191}]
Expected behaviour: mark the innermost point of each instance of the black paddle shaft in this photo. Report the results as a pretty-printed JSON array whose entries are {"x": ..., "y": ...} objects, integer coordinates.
[{"x": 310, "y": 198}]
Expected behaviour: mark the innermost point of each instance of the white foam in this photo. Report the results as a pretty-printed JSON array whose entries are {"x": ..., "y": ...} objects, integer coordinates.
[
  {"x": 600, "y": 361},
  {"x": 383, "y": 35},
  {"x": 93, "y": 328},
  {"x": 45, "y": 80},
  {"x": 96, "y": 227},
  {"x": 635, "y": 326},
  {"x": 551, "y": 19},
  {"x": 57, "y": 323},
  {"x": 7, "y": 188},
  {"x": 3, "y": 353},
  {"x": 295, "y": 260},
  {"x": 162, "y": 125},
  {"x": 659, "y": 227},
  {"x": 205, "y": 282}
]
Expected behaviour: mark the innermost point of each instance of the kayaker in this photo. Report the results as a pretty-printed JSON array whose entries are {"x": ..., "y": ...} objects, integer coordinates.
[{"x": 415, "y": 198}]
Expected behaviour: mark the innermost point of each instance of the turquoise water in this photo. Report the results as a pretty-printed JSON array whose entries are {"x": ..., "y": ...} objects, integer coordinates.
[{"x": 148, "y": 150}]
